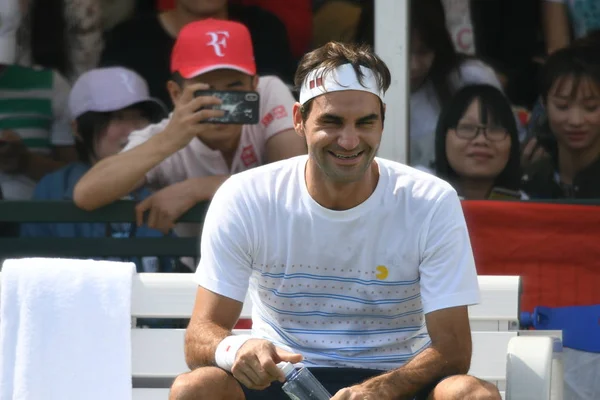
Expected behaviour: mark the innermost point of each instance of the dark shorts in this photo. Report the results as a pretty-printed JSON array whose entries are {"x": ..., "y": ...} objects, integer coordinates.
[{"x": 333, "y": 379}]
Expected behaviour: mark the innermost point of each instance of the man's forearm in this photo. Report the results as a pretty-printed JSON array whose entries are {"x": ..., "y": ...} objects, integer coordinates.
[
  {"x": 201, "y": 341},
  {"x": 116, "y": 176},
  {"x": 203, "y": 188},
  {"x": 424, "y": 370}
]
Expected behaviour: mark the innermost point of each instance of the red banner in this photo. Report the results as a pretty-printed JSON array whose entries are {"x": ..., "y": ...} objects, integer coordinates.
[{"x": 554, "y": 247}]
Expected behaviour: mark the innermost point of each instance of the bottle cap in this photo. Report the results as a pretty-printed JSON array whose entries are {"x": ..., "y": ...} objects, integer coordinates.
[{"x": 287, "y": 368}]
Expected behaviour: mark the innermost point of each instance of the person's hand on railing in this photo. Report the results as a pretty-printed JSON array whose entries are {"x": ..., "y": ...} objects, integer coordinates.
[{"x": 168, "y": 204}]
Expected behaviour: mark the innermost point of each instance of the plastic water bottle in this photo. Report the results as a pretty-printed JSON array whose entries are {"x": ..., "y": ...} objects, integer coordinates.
[{"x": 301, "y": 384}]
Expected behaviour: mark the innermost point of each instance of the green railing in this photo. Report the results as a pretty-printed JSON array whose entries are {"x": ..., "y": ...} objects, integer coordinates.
[
  {"x": 120, "y": 211},
  {"x": 66, "y": 211}
]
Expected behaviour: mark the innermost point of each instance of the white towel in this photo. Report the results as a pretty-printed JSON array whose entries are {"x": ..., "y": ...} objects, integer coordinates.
[{"x": 65, "y": 330}]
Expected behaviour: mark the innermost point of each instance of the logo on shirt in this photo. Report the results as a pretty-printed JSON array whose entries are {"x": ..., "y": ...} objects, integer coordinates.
[
  {"x": 382, "y": 272},
  {"x": 249, "y": 156},
  {"x": 218, "y": 41},
  {"x": 276, "y": 113}
]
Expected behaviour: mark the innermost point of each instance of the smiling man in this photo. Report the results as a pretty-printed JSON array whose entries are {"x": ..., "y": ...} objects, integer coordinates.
[
  {"x": 184, "y": 157},
  {"x": 359, "y": 268}
]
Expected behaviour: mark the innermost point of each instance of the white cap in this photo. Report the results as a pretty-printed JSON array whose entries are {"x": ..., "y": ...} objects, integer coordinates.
[
  {"x": 287, "y": 368},
  {"x": 10, "y": 19},
  {"x": 111, "y": 89}
]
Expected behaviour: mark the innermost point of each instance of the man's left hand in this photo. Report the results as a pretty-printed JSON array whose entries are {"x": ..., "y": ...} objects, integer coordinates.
[
  {"x": 170, "y": 203},
  {"x": 166, "y": 206},
  {"x": 13, "y": 153}
]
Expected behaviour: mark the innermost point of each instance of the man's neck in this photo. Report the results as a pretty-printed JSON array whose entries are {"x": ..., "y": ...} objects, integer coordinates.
[
  {"x": 474, "y": 189},
  {"x": 228, "y": 149},
  {"x": 175, "y": 19},
  {"x": 570, "y": 162},
  {"x": 340, "y": 196}
]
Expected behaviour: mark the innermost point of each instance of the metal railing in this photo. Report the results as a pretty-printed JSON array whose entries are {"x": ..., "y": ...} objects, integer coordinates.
[
  {"x": 67, "y": 211},
  {"x": 120, "y": 211}
]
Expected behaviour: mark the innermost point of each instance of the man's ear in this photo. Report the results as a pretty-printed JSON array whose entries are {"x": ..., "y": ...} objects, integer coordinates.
[
  {"x": 255, "y": 82},
  {"x": 174, "y": 91},
  {"x": 297, "y": 117}
]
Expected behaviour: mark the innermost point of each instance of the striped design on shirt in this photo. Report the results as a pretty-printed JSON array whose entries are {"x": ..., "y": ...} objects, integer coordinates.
[{"x": 26, "y": 105}]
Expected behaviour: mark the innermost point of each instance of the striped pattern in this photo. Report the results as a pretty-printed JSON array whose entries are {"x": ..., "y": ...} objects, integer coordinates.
[
  {"x": 26, "y": 105},
  {"x": 342, "y": 318}
]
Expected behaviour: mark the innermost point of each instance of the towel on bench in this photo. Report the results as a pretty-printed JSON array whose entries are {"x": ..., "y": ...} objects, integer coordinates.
[{"x": 65, "y": 330}]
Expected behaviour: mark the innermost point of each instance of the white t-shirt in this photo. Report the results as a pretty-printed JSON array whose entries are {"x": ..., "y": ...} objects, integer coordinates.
[
  {"x": 344, "y": 288},
  {"x": 196, "y": 159},
  {"x": 425, "y": 109}
]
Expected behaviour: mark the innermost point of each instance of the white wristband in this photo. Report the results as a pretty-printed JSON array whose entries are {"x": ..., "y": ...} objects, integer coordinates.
[{"x": 227, "y": 349}]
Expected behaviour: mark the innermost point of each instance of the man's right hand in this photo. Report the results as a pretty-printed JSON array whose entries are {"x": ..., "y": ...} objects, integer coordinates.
[
  {"x": 256, "y": 362},
  {"x": 189, "y": 112}
]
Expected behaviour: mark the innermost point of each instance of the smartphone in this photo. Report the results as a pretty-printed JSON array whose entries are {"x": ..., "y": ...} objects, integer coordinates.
[
  {"x": 241, "y": 107},
  {"x": 504, "y": 194}
]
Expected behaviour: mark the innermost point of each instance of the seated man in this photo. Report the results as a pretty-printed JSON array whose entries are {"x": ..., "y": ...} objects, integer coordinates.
[
  {"x": 183, "y": 157},
  {"x": 358, "y": 267}
]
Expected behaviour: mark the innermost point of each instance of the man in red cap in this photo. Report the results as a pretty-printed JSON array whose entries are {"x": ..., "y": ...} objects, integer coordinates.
[
  {"x": 184, "y": 159},
  {"x": 144, "y": 43}
]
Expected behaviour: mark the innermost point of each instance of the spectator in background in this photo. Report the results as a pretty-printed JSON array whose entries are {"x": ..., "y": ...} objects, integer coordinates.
[
  {"x": 567, "y": 19},
  {"x": 188, "y": 160},
  {"x": 570, "y": 129},
  {"x": 35, "y": 137},
  {"x": 144, "y": 44},
  {"x": 64, "y": 35},
  {"x": 477, "y": 144},
  {"x": 437, "y": 71},
  {"x": 106, "y": 106}
]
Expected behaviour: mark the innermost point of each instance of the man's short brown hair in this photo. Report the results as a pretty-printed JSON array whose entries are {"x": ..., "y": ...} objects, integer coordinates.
[{"x": 334, "y": 54}]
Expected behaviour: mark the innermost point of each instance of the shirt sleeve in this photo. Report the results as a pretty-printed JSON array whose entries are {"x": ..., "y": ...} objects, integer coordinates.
[
  {"x": 447, "y": 269},
  {"x": 276, "y": 103},
  {"x": 61, "y": 133},
  {"x": 225, "y": 247}
]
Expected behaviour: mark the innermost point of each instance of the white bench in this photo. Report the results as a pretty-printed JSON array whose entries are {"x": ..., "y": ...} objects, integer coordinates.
[
  {"x": 498, "y": 349},
  {"x": 521, "y": 367}
]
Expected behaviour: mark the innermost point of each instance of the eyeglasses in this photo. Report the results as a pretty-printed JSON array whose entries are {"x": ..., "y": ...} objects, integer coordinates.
[{"x": 470, "y": 132}]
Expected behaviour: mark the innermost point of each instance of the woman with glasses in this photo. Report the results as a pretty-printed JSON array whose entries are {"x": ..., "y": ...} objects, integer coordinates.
[{"x": 477, "y": 144}]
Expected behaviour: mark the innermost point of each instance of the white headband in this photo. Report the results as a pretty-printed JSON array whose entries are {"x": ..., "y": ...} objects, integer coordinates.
[{"x": 341, "y": 78}]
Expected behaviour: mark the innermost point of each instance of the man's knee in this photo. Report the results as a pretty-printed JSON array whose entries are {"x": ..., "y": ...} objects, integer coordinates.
[
  {"x": 465, "y": 387},
  {"x": 206, "y": 383}
]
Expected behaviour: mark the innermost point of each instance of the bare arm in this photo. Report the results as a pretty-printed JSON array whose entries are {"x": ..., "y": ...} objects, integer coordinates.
[
  {"x": 116, "y": 176},
  {"x": 449, "y": 354},
  {"x": 555, "y": 21},
  {"x": 213, "y": 318},
  {"x": 284, "y": 145}
]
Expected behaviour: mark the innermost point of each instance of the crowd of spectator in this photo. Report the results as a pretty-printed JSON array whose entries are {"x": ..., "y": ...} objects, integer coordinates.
[{"x": 92, "y": 98}]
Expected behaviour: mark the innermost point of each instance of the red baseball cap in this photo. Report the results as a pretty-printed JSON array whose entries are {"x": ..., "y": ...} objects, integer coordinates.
[{"x": 210, "y": 44}]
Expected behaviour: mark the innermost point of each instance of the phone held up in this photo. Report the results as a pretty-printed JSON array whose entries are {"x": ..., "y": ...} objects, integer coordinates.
[{"x": 241, "y": 107}]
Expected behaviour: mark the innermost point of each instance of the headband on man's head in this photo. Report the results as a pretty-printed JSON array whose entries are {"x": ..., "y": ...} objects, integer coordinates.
[{"x": 319, "y": 82}]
